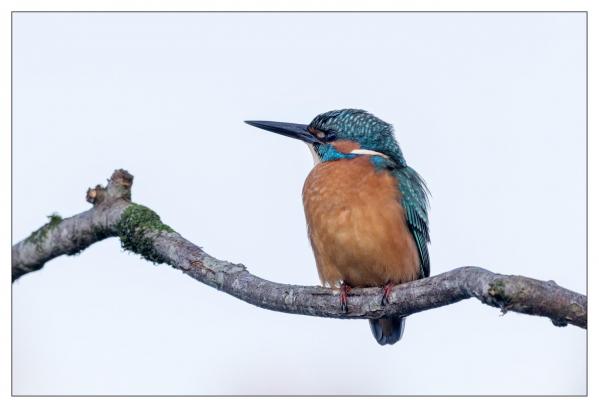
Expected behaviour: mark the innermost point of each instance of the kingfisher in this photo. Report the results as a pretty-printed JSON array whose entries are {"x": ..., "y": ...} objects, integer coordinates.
[{"x": 366, "y": 209}]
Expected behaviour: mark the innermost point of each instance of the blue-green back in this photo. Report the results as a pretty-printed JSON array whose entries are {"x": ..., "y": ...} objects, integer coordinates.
[{"x": 415, "y": 202}]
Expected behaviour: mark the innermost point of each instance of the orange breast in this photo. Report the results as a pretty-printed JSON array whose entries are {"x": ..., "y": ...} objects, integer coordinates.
[{"x": 357, "y": 225}]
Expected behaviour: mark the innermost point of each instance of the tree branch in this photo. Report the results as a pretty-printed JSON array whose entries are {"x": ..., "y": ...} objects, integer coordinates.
[{"x": 141, "y": 231}]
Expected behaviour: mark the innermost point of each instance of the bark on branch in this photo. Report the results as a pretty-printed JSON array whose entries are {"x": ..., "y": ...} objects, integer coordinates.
[{"x": 141, "y": 231}]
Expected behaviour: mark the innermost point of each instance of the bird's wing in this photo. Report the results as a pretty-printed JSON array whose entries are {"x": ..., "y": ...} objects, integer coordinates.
[{"x": 415, "y": 202}]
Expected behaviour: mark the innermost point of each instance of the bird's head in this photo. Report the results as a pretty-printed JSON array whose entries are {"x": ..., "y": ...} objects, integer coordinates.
[{"x": 341, "y": 134}]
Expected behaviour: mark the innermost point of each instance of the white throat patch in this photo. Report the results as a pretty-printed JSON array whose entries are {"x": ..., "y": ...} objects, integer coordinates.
[{"x": 314, "y": 154}]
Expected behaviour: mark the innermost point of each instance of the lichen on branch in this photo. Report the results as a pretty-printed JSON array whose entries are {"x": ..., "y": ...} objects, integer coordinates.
[{"x": 38, "y": 236}]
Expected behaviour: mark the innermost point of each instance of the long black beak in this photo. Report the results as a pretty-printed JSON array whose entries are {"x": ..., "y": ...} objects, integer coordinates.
[{"x": 293, "y": 130}]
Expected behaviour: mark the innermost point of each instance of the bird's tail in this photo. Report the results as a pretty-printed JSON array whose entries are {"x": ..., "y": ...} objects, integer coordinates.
[{"x": 388, "y": 330}]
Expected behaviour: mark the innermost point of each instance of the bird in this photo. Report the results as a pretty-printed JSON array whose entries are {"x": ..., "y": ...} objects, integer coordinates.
[{"x": 366, "y": 209}]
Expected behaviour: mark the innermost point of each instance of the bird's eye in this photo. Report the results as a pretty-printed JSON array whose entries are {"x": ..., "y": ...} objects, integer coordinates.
[{"x": 330, "y": 136}]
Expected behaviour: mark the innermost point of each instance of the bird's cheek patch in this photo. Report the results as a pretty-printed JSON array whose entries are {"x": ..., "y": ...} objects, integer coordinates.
[{"x": 345, "y": 146}]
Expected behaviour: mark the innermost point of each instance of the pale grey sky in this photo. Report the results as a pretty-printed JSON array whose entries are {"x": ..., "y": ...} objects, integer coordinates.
[{"x": 489, "y": 108}]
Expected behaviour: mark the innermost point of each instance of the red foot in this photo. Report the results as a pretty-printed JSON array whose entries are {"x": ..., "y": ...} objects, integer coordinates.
[
  {"x": 345, "y": 289},
  {"x": 386, "y": 292}
]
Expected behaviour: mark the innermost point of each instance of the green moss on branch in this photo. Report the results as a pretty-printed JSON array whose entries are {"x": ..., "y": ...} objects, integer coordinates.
[
  {"x": 38, "y": 236},
  {"x": 135, "y": 229}
]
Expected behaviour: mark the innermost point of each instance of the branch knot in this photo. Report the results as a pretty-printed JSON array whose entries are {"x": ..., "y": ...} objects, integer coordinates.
[{"x": 118, "y": 187}]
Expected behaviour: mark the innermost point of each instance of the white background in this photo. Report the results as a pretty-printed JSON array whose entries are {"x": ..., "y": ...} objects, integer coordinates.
[{"x": 489, "y": 108}]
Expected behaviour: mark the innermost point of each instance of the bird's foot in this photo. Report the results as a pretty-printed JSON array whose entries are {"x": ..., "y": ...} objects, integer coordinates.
[
  {"x": 386, "y": 292},
  {"x": 345, "y": 289}
]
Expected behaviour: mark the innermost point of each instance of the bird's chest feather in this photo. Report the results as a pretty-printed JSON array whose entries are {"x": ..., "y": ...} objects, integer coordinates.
[{"x": 357, "y": 225}]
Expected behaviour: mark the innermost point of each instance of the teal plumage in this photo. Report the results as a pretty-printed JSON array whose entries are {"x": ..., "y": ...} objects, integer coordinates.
[
  {"x": 415, "y": 203},
  {"x": 362, "y": 127}
]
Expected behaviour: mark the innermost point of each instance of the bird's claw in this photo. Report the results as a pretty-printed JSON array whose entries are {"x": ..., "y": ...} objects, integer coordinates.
[
  {"x": 386, "y": 292},
  {"x": 343, "y": 297}
]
